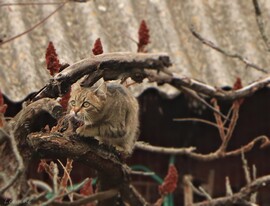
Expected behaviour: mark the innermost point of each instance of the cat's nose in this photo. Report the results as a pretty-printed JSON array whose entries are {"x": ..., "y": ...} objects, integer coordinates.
[{"x": 76, "y": 110}]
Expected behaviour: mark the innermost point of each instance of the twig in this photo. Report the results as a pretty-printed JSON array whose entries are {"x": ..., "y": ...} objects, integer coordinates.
[
  {"x": 95, "y": 197},
  {"x": 163, "y": 150},
  {"x": 253, "y": 197},
  {"x": 239, "y": 197},
  {"x": 57, "y": 195},
  {"x": 208, "y": 197},
  {"x": 41, "y": 185},
  {"x": 19, "y": 159},
  {"x": 55, "y": 177},
  {"x": 31, "y": 3},
  {"x": 56, "y": 191},
  {"x": 195, "y": 190},
  {"x": 196, "y": 96},
  {"x": 29, "y": 200},
  {"x": 198, "y": 120},
  {"x": 35, "y": 26},
  {"x": 229, "y": 191},
  {"x": 203, "y": 157},
  {"x": 227, "y": 138},
  {"x": 66, "y": 176},
  {"x": 219, "y": 122},
  {"x": 226, "y": 53},
  {"x": 264, "y": 142},
  {"x": 245, "y": 168},
  {"x": 260, "y": 23},
  {"x": 141, "y": 173},
  {"x": 188, "y": 194},
  {"x": 200, "y": 87}
]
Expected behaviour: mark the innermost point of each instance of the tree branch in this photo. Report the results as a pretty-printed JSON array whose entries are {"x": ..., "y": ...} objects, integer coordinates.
[
  {"x": 91, "y": 153},
  {"x": 260, "y": 23},
  {"x": 110, "y": 66},
  {"x": 200, "y": 87},
  {"x": 241, "y": 196},
  {"x": 226, "y": 53},
  {"x": 163, "y": 150},
  {"x": 95, "y": 197}
]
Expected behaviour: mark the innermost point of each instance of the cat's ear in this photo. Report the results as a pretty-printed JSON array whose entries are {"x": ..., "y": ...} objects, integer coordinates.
[
  {"x": 75, "y": 87},
  {"x": 101, "y": 91}
]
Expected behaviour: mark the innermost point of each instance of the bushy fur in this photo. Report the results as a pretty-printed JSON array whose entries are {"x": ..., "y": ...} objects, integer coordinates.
[{"x": 110, "y": 114}]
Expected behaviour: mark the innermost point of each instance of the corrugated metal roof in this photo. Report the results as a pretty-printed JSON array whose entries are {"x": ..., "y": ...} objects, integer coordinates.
[{"x": 74, "y": 28}]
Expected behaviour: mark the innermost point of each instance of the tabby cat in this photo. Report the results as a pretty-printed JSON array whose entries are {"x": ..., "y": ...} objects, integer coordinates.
[{"x": 108, "y": 112}]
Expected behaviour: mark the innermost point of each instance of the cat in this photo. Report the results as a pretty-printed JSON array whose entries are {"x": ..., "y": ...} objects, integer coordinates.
[{"x": 110, "y": 113}]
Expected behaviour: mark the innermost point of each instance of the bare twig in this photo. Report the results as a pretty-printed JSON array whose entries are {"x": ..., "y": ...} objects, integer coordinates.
[
  {"x": 163, "y": 150},
  {"x": 141, "y": 173},
  {"x": 35, "y": 26},
  {"x": 198, "y": 120},
  {"x": 188, "y": 193},
  {"x": 240, "y": 197},
  {"x": 19, "y": 159},
  {"x": 260, "y": 23},
  {"x": 219, "y": 122},
  {"x": 200, "y": 87},
  {"x": 194, "y": 189},
  {"x": 31, "y": 3},
  {"x": 31, "y": 200},
  {"x": 208, "y": 196},
  {"x": 229, "y": 191},
  {"x": 196, "y": 96},
  {"x": 95, "y": 197},
  {"x": 203, "y": 157},
  {"x": 57, "y": 195},
  {"x": 227, "y": 137},
  {"x": 66, "y": 176},
  {"x": 246, "y": 168},
  {"x": 253, "y": 197},
  {"x": 42, "y": 185},
  {"x": 264, "y": 142},
  {"x": 226, "y": 53},
  {"x": 55, "y": 177}
]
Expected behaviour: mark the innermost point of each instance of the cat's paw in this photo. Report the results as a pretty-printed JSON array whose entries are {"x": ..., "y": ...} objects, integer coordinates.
[{"x": 80, "y": 130}]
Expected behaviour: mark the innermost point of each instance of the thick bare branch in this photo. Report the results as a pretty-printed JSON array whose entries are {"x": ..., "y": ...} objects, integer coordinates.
[
  {"x": 91, "y": 153},
  {"x": 110, "y": 66},
  {"x": 200, "y": 87}
]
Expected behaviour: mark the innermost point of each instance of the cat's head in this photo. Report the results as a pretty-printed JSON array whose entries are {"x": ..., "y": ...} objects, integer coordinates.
[{"x": 86, "y": 104}]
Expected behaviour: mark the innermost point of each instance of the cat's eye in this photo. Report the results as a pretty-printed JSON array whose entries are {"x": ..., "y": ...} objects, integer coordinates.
[
  {"x": 72, "y": 103},
  {"x": 86, "y": 104}
]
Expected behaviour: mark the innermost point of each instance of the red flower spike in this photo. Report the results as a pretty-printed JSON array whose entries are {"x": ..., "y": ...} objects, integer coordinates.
[
  {"x": 64, "y": 100},
  {"x": 3, "y": 108},
  {"x": 238, "y": 85},
  {"x": 87, "y": 190},
  {"x": 41, "y": 166},
  {"x": 98, "y": 49},
  {"x": 170, "y": 181},
  {"x": 143, "y": 36},
  {"x": 52, "y": 60}
]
